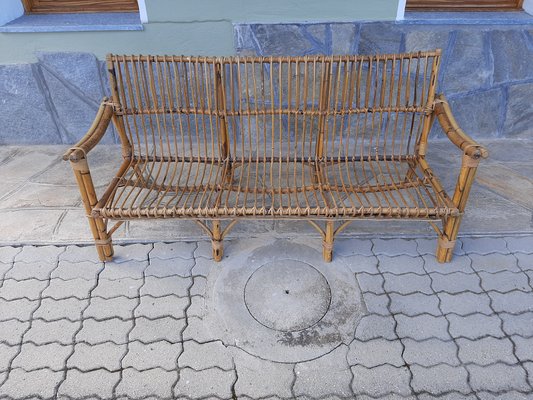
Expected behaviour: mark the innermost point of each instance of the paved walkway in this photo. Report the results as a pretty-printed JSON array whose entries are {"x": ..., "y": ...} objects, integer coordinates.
[{"x": 157, "y": 323}]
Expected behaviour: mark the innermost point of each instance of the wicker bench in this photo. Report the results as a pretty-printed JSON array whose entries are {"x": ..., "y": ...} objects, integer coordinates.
[{"x": 326, "y": 139}]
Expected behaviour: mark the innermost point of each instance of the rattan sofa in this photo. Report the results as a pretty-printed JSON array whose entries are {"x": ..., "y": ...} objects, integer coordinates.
[{"x": 326, "y": 139}]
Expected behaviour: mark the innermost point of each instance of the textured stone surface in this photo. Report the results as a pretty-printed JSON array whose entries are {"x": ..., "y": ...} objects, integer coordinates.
[
  {"x": 82, "y": 384},
  {"x": 379, "y": 38},
  {"x": 152, "y": 383},
  {"x": 33, "y": 357},
  {"x": 371, "y": 382},
  {"x": 507, "y": 46},
  {"x": 440, "y": 379},
  {"x": 88, "y": 357},
  {"x": 518, "y": 112},
  {"x": 207, "y": 355},
  {"x": 376, "y": 352},
  {"x": 160, "y": 354},
  {"x": 430, "y": 352},
  {"x": 205, "y": 383},
  {"x": 22, "y": 384}
]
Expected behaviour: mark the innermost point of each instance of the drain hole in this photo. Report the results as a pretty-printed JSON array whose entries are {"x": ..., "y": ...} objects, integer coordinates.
[{"x": 287, "y": 292}]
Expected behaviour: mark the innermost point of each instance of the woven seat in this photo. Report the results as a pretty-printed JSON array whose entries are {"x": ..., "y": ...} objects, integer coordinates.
[{"x": 328, "y": 139}]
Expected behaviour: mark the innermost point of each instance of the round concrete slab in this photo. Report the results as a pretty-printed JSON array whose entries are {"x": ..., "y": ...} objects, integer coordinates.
[{"x": 287, "y": 295}]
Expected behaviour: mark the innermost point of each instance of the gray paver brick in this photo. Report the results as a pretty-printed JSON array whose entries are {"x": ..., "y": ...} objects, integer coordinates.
[
  {"x": 166, "y": 328},
  {"x": 76, "y": 254},
  {"x": 132, "y": 252},
  {"x": 512, "y": 395},
  {"x": 8, "y": 253},
  {"x": 457, "y": 264},
  {"x": 197, "y": 307},
  {"x": 21, "y": 384},
  {"x": 166, "y": 251},
  {"x": 51, "y": 309},
  {"x": 407, "y": 283},
  {"x": 520, "y": 244},
  {"x": 11, "y": 331},
  {"x": 401, "y": 264},
  {"x": 414, "y": 304},
  {"x": 112, "y": 330},
  {"x": 475, "y": 326},
  {"x": 359, "y": 264},
  {"x": 155, "y": 382},
  {"x": 512, "y": 302},
  {"x": 485, "y": 351},
  {"x": 123, "y": 270},
  {"x": 440, "y": 379},
  {"x": 494, "y": 263},
  {"x": 203, "y": 265},
  {"x": 456, "y": 282},
  {"x": 375, "y": 326},
  {"x": 159, "y": 287},
  {"x": 82, "y": 384},
  {"x": 20, "y": 309},
  {"x": 60, "y": 331},
  {"x": 422, "y": 327},
  {"x": 376, "y": 352},
  {"x": 525, "y": 261},
  {"x": 524, "y": 348},
  {"x": 429, "y": 247},
  {"x": 156, "y": 307},
  {"x": 34, "y": 270},
  {"x": 159, "y": 354},
  {"x": 196, "y": 330},
  {"x": 204, "y": 249},
  {"x": 448, "y": 396},
  {"x": 200, "y": 384},
  {"x": 371, "y": 382},
  {"x": 260, "y": 378},
  {"x": 81, "y": 269},
  {"x": 353, "y": 246},
  {"x": 529, "y": 368},
  {"x": 497, "y": 378},
  {"x": 465, "y": 303},
  {"x": 32, "y": 254},
  {"x": 505, "y": 281},
  {"x": 519, "y": 324},
  {"x": 60, "y": 289},
  {"x": 126, "y": 287},
  {"x": 88, "y": 357},
  {"x": 120, "y": 307},
  {"x": 394, "y": 247},
  {"x": 485, "y": 245},
  {"x": 430, "y": 352},
  {"x": 7, "y": 354},
  {"x": 4, "y": 268},
  {"x": 203, "y": 356},
  {"x": 199, "y": 286},
  {"x": 51, "y": 355},
  {"x": 29, "y": 289},
  {"x": 328, "y": 375},
  {"x": 170, "y": 267},
  {"x": 376, "y": 303}
]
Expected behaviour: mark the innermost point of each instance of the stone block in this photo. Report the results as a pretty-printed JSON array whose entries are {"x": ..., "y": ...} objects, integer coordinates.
[
  {"x": 286, "y": 40},
  {"x": 33, "y": 357},
  {"x": 206, "y": 355},
  {"x": 35, "y": 270},
  {"x": 119, "y": 307},
  {"x": 157, "y": 307},
  {"x": 525, "y": 261},
  {"x": 167, "y": 251},
  {"x": 375, "y": 326},
  {"x": 379, "y": 38},
  {"x": 358, "y": 263},
  {"x": 407, "y": 283},
  {"x": 353, "y": 246},
  {"x": 429, "y": 353},
  {"x": 426, "y": 40},
  {"x": 512, "y": 302},
  {"x": 20, "y": 309},
  {"x": 511, "y": 52},
  {"x": 30, "y": 289},
  {"x": 8, "y": 254},
  {"x": 51, "y": 309},
  {"x": 401, "y": 265},
  {"x": 12, "y": 331},
  {"x": 521, "y": 244},
  {"x": 110, "y": 330},
  {"x": 485, "y": 245},
  {"x": 371, "y": 382},
  {"x": 155, "y": 383},
  {"x": 170, "y": 267},
  {"x": 520, "y": 324},
  {"x": 459, "y": 263},
  {"x": 376, "y": 303},
  {"x": 414, "y": 304},
  {"x": 43, "y": 254},
  {"x": 440, "y": 379},
  {"x": 88, "y": 357},
  {"x": 126, "y": 287},
  {"x": 422, "y": 327},
  {"x": 474, "y": 326},
  {"x": 132, "y": 252},
  {"x": 497, "y": 378},
  {"x": 78, "y": 384},
  {"x": 395, "y": 247},
  {"x": 159, "y": 287},
  {"x": 456, "y": 283},
  {"x": 7, "y": 354},
  {"x": 518, "y": 116},
  {"x": 148, "y": 331},
  {"x": 40, "y": 383},
  {"x": 204, "y": 384},
  {"x": 199, "y": 286},
  {"x": 60, "y": 331},
  {"x": 124, "y": 270},
  {"x": 87, "y": 270},
  {"x": 159, "y": 354},
  {"x": 495, "y": 263},
  {"x": 73, "y": 253},
  {"x": 77, "y": 288},
  {"x": 486, "y": 351},
  {"x": 343, "y": 37},
  {"x": 523, "y": 348},
  {"x": 371, "y": 283},
  {"x": 505, "y": 281},
  {"x": 465, "y": 303},
  {"x": 376, "y": 352}
]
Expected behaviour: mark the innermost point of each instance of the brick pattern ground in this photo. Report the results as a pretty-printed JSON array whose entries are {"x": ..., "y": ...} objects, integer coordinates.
[{"x": 73, "y": 328}]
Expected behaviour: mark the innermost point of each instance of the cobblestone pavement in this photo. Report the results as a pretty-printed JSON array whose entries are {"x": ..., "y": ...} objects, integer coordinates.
[{"x": 71, "y": 327}]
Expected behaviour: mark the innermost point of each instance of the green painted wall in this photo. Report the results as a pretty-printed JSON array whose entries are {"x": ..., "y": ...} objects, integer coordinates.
[{"x": 192, "y": 27}]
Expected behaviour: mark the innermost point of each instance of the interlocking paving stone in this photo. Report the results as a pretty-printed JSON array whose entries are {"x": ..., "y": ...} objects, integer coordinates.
[
  {"x": 20, "y": 309},
  {"x": 370, "y": 283},
  {"x": 51, "y": 355},
  {"x": 120, "y": 307},
  {"x": 485, "y": 245},
  {"x": 529, "y": 368},
  {"x": 196, "y": 330},
  {"x": 29, "y": 289},
  {"x": 159, "y": 354},
  {"x": 440, "y": 379},
  {"x": 203, "y": 265},
  {"x": 8, "y": 253},
  {"x": 80, "y": 384},
  {"x": 69, "y": 308},
  {"x": 429, "y": 247},
  {"x": 525, "y": 261},
  {"x": 111, "y": 330},
  {"x": 60, "y": 289},
  {"x": 359, "y": 264},
  {"x": 465, "y": 303},
  {"x": 88, "y": 357},
  {"x": 448, "y": 396},
  {"x": 132, "y": 252},
  {"x": 401, "y": 264},
  {"x": 199, "y": 286},
  {"x": 422, "y": 327},
  {"x": 123, "y": 270},
  {"x": 376, "y": 303},
  {"x": 430, "y": 352},
  {"x": 353, "y": 246},
  {"x": 328, "y": 375},
  {"x": 170, "y": 267},
  {"x": 505, "y": 281},
  {"x": 197, "y": 307},
  {"x": 76, "y": 254},
  {"x": 371, "y": 382},
  {"x": 156, "y": 307},
  {"x": 456, "y": 282},
  {"x": 497, "y": 378},
  {"x": 512, "y": 302},
  {"x": 520, "y": 244},
  {"x": 375, "y": 326},
  {"x": 61, "y": 331},
  {"x": 518, "y": 324},
  {"x": 77, "y": 269},
  {"x": 407, "y": 283},
  {"x": 475, "y": 326},
  {"x": 394, "y": 247},
  {"x": 22, "y": 384},
  {"x": 11, "y": 331},
  {"x": 260, "y": 378},
  {"x": 200, "y": 384},
  {"x": 165, "y": 251},
  {"x": 523, "y": 348},
  {"x": 155, "y": 382},
  {"x": 126, "y": 287},
  {"x": 512, "y": 395},
  {"x": 458, "y": 264},
  {"x": 376, "y": 352},
  {"x": 7, "y": 354},
  {"x": 35, "y": 270},
  {"x": 204, "y": 250},
  {"x": 386, "y": 397},
  {"x": 494, "y": 263},
  {"x": 485, "y": 351},
  {"x": 159, "y": 287},
  {"x": 414, "y": 304},
  {"x": 33, "y": 254},
  {"x": 207, "y": 355},
  {"x": 4, "y": 268},
  {"x": 165, "y": 328}
]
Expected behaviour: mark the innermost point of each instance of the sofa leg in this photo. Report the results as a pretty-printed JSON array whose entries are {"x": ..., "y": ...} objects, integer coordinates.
[
  {"x": 327, "y": 244},
  {"x": 104, "y": 243},
  {"x": 446, "y": 242},
  {"x": 216, "y": 241}
]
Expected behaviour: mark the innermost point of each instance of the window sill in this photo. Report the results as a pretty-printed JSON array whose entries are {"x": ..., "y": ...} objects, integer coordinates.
[
  {"x": 467, "y": 18},
  {"x": 74, "y": 23}
]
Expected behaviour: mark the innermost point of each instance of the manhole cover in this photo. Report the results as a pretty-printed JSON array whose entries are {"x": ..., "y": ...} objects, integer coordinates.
[{"x": 287, "y": 295}]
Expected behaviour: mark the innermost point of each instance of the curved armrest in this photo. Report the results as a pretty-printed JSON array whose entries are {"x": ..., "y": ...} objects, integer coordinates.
[
  {"x": 93, "y": 135},
  {"x": 457, "y": 136}
]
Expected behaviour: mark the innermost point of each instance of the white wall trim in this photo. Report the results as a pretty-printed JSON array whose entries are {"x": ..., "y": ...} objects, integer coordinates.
[
  {"x": 142, "y": 11},
  {"x": 528, "y": 6},
  {"x": 11, "y": 9},
  {"x": 400, "y": 12}
]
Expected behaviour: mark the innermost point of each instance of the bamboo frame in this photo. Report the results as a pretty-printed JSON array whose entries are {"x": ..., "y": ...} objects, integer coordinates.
[{"x": 319, "y": 138}]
